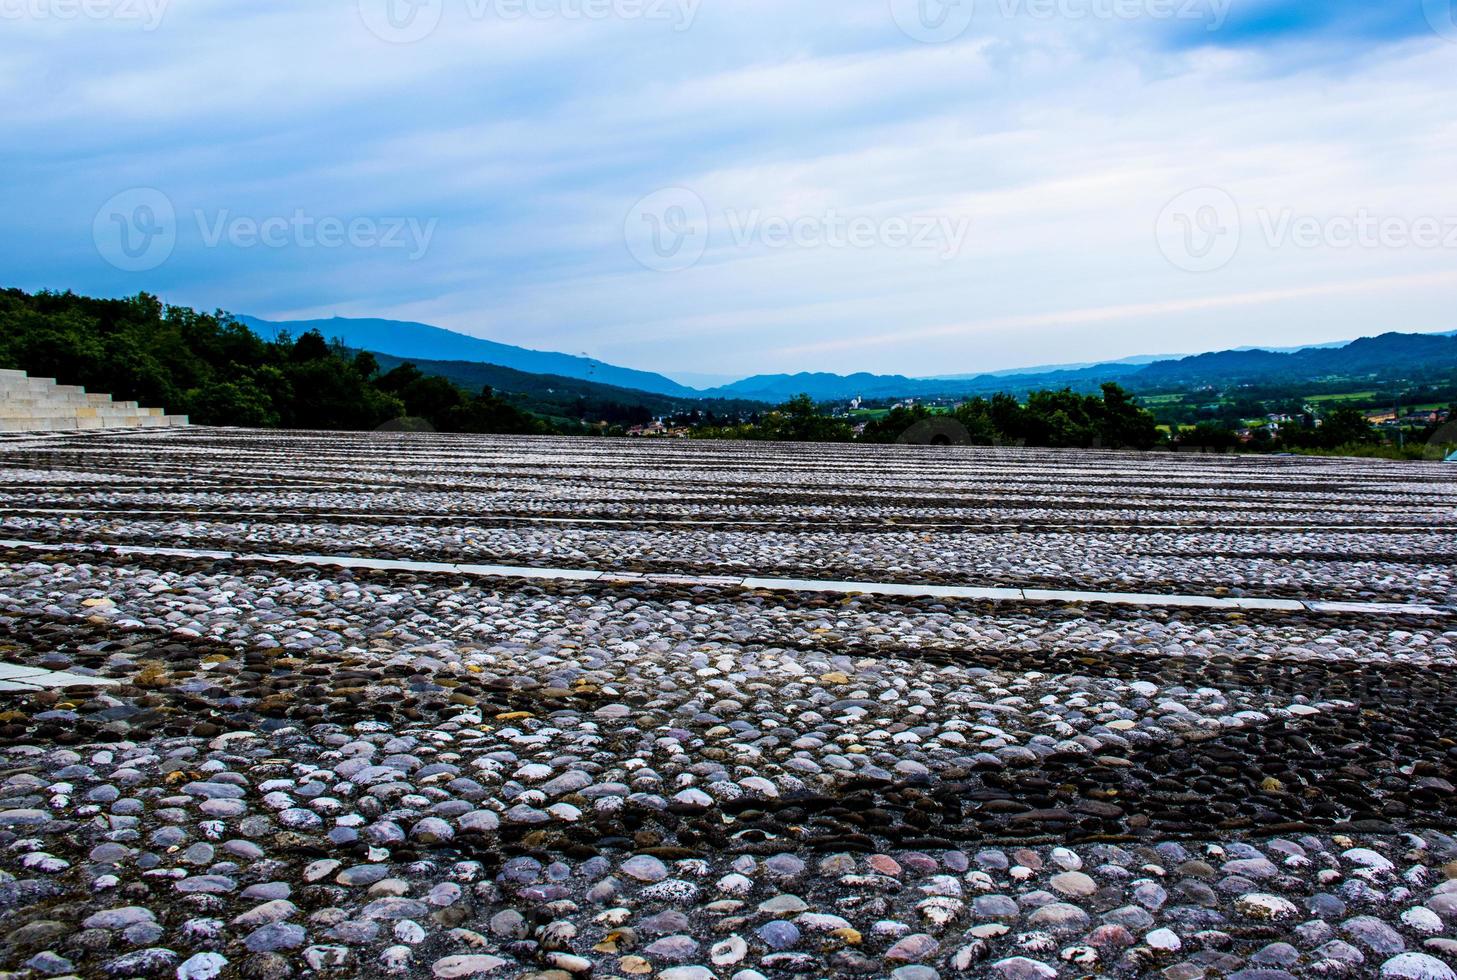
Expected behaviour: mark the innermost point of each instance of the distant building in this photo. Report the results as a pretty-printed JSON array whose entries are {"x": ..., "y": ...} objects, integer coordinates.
[{"x": 653, "y": 428}]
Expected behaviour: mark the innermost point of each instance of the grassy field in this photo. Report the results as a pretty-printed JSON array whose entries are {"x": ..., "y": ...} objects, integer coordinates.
[{"x": 1349, "y": 396}]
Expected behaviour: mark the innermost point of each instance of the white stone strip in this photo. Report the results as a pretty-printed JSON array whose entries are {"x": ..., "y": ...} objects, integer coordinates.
[
  {"x": 882, "y": 588},
  {"x": 1029, "y": 527},
  {"x": 19, "y": 678},
  {"x": 770, "y": 584}
]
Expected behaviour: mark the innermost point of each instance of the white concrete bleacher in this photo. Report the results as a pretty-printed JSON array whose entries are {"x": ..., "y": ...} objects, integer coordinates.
[{"x": 41, "y": 405}]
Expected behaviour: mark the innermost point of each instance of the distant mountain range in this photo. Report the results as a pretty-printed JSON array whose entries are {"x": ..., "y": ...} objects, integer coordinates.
[
  {"x": 826, "y": 387},
  {"x": 1406, "y": 354},
  {"x": 557, "y": 396},
  {"x": 403, "y": 338},
  {"x": 1412, "y": 356}
]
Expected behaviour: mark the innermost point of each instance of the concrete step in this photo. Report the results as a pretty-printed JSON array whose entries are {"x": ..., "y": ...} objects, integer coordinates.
[
  {"x": 37, "y": 425},
  {"x": 46, "y": 398},
  {"x": 45, "y": 411},
  {"x": 41, "y": 405}
]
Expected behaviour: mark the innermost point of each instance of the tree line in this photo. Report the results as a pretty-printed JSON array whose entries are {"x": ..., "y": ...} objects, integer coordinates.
[
  {"x": 1111, "y": 419},
  {"x": 219, "y": 372}
]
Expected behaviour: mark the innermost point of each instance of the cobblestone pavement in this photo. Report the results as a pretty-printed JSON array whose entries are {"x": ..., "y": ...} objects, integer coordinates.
[{"x": 295, "y": 769}]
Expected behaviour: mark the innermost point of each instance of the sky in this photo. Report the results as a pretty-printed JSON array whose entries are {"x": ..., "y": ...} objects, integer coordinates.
[{"x": 732, "y": 187}]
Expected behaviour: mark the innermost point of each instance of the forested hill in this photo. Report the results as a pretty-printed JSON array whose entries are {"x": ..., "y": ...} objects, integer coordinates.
[
  {"x": 1412, "y": 357},
  {"x": 219, "y": 372},
  {"x": 418, "y": 342},
  {"x": 570, "y": 398}
]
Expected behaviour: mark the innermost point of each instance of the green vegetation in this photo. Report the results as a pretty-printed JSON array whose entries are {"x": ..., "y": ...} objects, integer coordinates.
[
  {"x": 569, "y": 401},
  {"x": 1358, "y": 397},
  {"x": 219, "y": 372},
  {"x": 1048, "y": 418}
]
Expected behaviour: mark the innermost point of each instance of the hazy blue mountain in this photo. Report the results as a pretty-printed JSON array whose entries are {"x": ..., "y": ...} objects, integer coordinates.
[
  {"x": 1414, "y": 355},
  {"x": 701, "y": 380},
  {"x": 555, "y": 396},
  {"x": 420, "y": 340},
  {"x": 1391, "y": 354},
  {"x": 1054, "y": 368},
  {"x": 829, "y": 387},
  {"x": 824, "y": 386}
]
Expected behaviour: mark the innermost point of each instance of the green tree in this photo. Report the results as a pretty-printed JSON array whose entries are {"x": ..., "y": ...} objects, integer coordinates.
[
  {"x": 231, "y": 403},
  {"x": 1345, "y": 426},
  {"x": 800, "y": 420}
]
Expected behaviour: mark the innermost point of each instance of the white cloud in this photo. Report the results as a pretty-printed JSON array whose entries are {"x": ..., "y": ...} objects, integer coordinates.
[{"x": 529, "y": 141}]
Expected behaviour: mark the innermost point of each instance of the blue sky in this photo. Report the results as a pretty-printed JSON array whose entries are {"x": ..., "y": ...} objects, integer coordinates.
[{"x": 911, "y": 186}]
